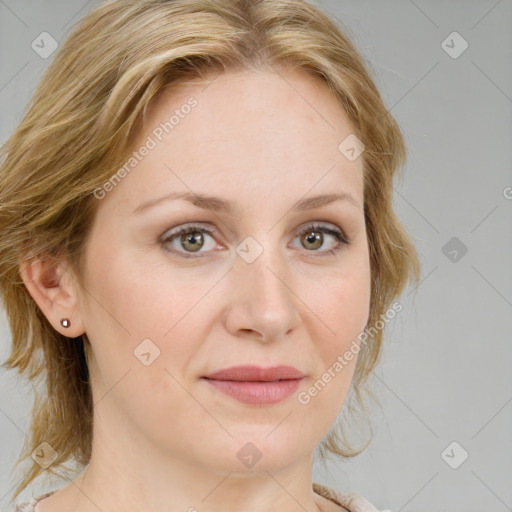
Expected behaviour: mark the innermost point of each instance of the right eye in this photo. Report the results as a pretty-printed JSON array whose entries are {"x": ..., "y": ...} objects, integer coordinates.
[{"x": 188, "y": 239}]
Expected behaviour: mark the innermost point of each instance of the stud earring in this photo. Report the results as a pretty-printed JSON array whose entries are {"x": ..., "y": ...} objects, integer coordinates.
[{"x": 65, "y": 322}]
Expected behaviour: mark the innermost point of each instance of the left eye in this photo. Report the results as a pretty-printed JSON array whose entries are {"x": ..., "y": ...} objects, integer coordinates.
[
  {"x": 314, "y": 237},
  {"x": 192, "y": 239}
]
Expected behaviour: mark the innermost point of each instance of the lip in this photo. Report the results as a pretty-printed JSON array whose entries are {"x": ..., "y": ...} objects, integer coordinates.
[
  {"x": 251, "y": 373},
  {"x": 253, "y": 384}
]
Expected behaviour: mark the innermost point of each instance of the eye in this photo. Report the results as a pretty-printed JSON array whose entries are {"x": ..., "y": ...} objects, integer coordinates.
[
  {"x": 312, "y": 237},
  {"x": 189, "y": 237},
  {"x": 188, "y": 240}
]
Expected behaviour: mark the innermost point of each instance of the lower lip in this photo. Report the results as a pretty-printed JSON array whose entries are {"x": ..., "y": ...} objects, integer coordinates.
[{"x": 257, "y": 392}]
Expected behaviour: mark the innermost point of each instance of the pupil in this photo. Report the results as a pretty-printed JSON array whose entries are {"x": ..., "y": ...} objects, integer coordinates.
[
  {"x": 314, "y": 238},
  {"x": 193, "y": 240}
]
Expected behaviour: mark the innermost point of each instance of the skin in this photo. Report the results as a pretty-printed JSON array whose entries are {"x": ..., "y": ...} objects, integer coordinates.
[{"x": 161, "y": 434}]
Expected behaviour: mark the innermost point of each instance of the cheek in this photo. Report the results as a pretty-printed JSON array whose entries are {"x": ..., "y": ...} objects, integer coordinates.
[
  {"x": 343, "y": 303},
  {"x": 138, "y": 297},
  {"x": 136, "y": 301},
  {"x": 346, "y": 314},
  {"x": 349, "y": 304},
  {"x": 343, "y": 308}
]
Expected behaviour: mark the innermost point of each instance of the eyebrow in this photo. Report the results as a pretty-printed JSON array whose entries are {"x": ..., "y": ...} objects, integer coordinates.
[{"x": 217, "y": 204}]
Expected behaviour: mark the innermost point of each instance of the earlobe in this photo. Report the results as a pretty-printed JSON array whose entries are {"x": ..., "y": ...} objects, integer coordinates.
[{"x": 52, "y": 287}]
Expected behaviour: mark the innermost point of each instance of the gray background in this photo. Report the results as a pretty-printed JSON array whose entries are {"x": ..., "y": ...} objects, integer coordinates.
[{"x": 445, "y": 374}]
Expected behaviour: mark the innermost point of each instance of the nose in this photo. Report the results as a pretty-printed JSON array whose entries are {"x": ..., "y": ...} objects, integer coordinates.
[{"x": 261, "y": 301}]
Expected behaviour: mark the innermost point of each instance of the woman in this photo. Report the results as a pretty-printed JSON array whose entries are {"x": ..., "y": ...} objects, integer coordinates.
[{"x": 198, "y": 253}]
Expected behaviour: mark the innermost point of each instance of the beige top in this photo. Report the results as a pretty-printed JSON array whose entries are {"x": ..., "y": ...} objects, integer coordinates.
[{"x": 352, "y": 501}]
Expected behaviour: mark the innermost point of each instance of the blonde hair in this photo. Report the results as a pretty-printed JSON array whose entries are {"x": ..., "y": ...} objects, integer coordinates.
[{"x": 77, "y": 132}]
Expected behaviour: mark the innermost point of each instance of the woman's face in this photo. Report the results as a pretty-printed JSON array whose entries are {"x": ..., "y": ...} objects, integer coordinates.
[{"x": 266, "y": 284}]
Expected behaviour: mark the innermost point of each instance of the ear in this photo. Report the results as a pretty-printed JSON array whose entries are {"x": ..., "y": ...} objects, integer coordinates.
[{"x": 53, "y": 288}]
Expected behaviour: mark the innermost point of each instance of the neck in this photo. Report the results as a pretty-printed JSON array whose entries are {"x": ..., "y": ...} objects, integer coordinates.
[{"x": 127, "y": 472}]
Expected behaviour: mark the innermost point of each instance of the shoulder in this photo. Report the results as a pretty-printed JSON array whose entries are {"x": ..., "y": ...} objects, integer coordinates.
[
  {"x": 352, "y": 501},
  {"x": 29, "y": 506}
]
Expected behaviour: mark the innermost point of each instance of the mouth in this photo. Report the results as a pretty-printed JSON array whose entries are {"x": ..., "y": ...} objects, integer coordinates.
[{"x": 255, "y": 384}]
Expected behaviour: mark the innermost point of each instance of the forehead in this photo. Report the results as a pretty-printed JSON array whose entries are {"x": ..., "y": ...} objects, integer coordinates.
[
  {"x": 257, "y": 130},
  {"x": 275, "y": 96}
]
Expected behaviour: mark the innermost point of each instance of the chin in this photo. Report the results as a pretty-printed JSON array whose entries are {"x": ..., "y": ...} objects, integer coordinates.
[{"x": 256, "y": 450}]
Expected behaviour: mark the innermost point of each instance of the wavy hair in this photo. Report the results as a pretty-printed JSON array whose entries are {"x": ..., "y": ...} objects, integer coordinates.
[{"x": 77, "y": 130}]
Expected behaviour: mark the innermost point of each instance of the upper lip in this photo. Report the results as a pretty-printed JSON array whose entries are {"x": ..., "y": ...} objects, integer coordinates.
[{"x": 256, "y": 373}]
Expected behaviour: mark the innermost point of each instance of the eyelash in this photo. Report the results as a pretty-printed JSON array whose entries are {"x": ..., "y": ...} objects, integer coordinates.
[{"x": 190, "y": 228}]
